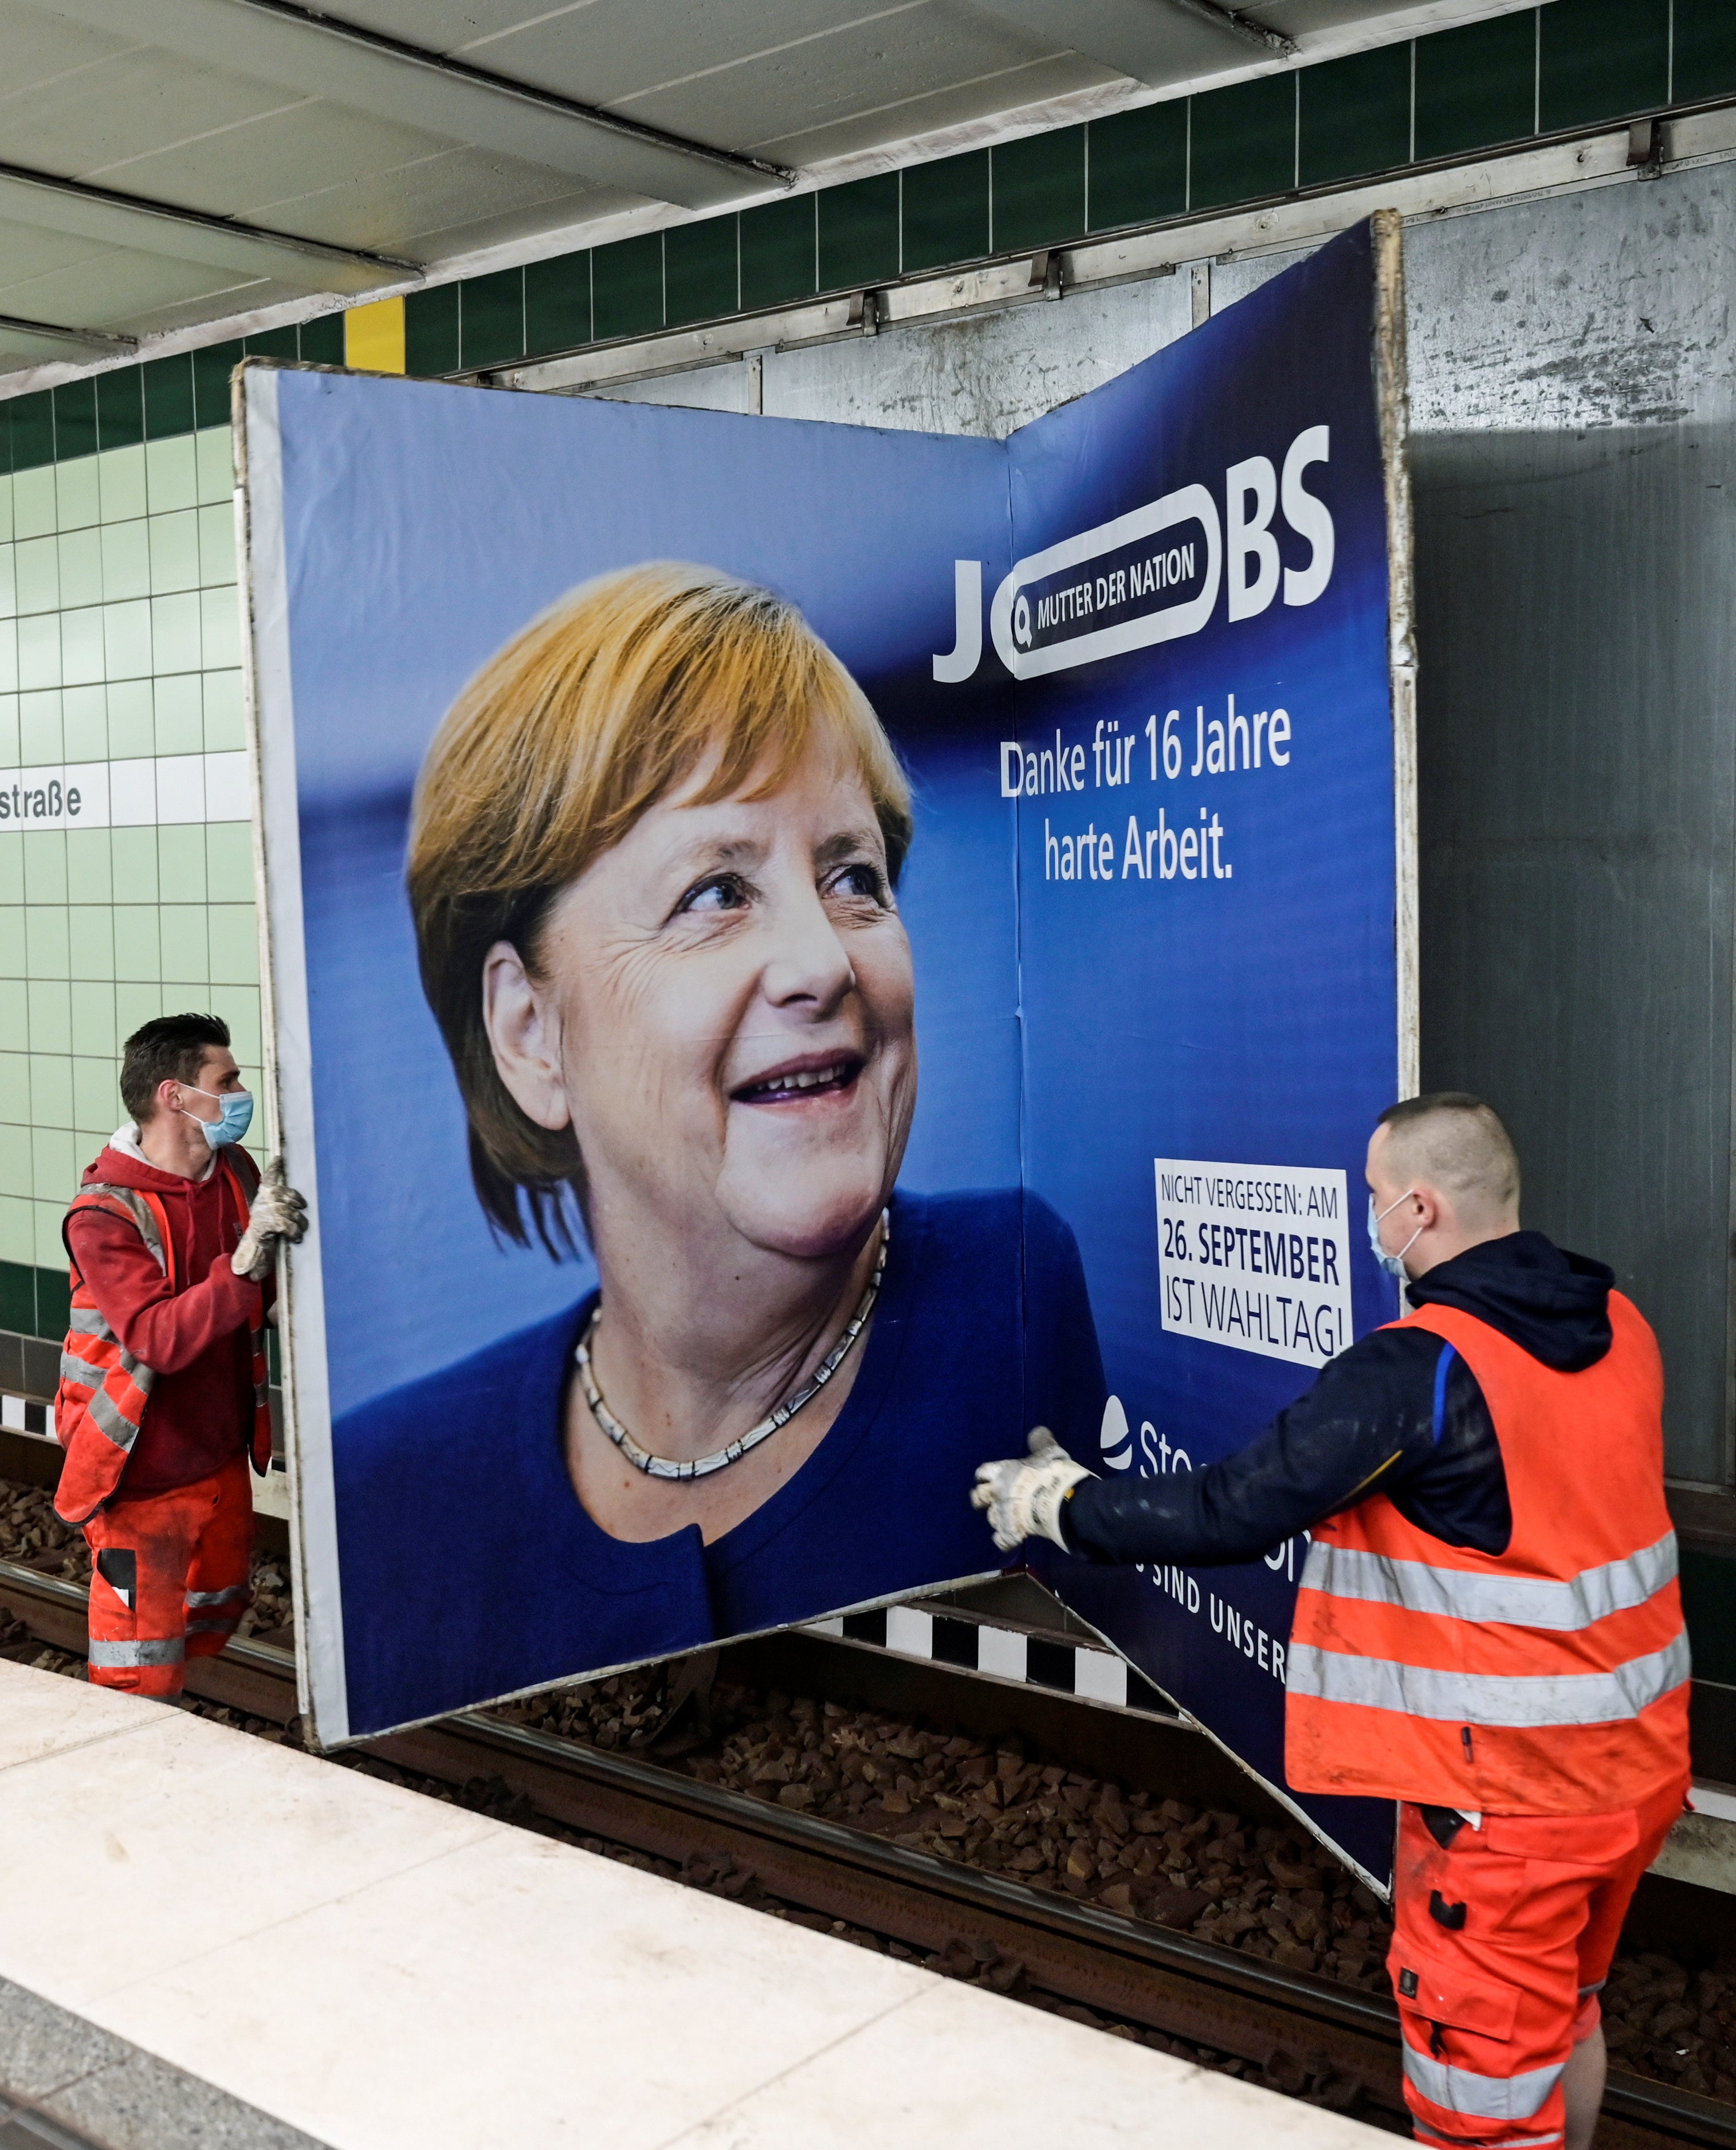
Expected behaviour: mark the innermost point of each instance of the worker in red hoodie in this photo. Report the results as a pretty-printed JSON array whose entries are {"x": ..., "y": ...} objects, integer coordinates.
[{"x": 172, "y": 1239}]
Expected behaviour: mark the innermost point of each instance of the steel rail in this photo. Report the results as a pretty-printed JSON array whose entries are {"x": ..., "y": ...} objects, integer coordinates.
[{"x": 1294, "y": 2026}]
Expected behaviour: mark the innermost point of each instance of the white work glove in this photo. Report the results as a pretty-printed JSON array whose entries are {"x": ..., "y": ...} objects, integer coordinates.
[
  {"x": 1023, "y": 1495},
  {"x": 278, "y": 1212}
]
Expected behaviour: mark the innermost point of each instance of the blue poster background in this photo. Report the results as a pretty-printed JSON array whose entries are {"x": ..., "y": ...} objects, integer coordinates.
[
  {"x": 1071, "y": 1031},
  {"x": 1248, "y": 1019},
  {"x": 425, "y": 525}
]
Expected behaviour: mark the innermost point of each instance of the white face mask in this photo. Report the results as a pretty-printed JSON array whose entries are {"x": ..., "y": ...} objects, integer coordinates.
[{"x": 1394, "y": 1265}]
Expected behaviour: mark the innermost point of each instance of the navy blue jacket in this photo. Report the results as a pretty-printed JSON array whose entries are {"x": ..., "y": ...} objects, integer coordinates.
[
  {"x": 1399, "y": 1413},
  {"x": 469, "y": 1568}
]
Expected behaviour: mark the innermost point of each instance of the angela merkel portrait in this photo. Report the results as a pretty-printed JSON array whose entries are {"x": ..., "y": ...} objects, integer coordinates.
[{"x": 654, "y": 865}]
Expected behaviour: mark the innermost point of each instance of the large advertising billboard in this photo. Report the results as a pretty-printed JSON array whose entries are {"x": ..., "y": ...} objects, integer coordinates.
[{"x": 798, "y": 952}]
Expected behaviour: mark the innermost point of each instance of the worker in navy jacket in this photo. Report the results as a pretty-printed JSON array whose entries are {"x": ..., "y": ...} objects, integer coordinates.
[{"x": 1489, "y": 1627}]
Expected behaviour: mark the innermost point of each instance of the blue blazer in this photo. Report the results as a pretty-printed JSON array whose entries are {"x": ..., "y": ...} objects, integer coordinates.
[{"x": 469, "y": 1568}]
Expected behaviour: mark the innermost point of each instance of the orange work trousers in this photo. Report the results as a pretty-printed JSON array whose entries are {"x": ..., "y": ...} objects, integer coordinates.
[
  {"x": 1503, "y": 1937},
  {"x": 170, "y": 1579}
]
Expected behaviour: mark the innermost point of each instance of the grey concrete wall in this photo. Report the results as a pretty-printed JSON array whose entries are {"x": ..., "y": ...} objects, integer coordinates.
[
  {"x": 1573, "y": 373},
  {"x": 1574, "y": 467},
  {"x": 1577, "y": 804}
]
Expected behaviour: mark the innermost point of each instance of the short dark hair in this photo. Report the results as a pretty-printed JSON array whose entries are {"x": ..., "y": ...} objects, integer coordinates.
[
  {"x": 168, "y": 1048},
  {"x": 1460, "y": 1142}
]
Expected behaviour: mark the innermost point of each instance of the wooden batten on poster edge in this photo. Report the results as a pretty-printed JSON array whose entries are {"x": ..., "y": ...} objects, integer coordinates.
[
  {"x": 297, "y": 1169},
  {"x": 1392, "y": 391}
]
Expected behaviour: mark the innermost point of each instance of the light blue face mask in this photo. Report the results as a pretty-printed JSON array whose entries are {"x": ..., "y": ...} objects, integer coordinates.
[
  {"x": 237, "y": 1116},
  {"x": 1394, "y": 1265}
]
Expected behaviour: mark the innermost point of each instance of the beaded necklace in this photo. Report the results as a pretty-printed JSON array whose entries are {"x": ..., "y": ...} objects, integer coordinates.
[{"x": 702, "y": 1466}]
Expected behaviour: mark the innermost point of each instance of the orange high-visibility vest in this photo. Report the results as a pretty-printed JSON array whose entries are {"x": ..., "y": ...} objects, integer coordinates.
[
  {"x": 1549, "y": 1679},
  {"x": 100, "y": 1403}
]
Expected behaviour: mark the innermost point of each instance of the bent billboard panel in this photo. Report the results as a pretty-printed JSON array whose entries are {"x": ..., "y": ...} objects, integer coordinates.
[{"x": 775, "y": 931}]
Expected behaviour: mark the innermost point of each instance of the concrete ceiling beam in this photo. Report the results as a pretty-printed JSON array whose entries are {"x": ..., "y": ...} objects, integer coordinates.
[
  {"x": 140, "y": 225},
  {"x": 1153, "y": 42},
  {"x": 319, "y": 55}
]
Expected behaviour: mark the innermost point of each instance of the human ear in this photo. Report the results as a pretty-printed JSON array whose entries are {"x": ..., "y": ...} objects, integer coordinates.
[{"x": 524, "y": 1037}]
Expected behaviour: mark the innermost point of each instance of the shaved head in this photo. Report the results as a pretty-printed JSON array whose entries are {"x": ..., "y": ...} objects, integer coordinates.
[{"x": 1455, "y": 1144}]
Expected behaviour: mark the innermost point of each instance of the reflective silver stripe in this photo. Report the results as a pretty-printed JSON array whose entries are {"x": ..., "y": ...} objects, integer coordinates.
[
  {"x": 86, "y": 1321},
  {"x": 1424, "y": 2134},
  {"x": 1489, "y": 1698},
  {"x": 113, "y": 1656},
  {"x": 139, "y": 1210},
  {"x": 1508, "y": 1600},
  {"x": 108, "y": 1420},
  {"x": 214, "y": 1627},
  {"x": 77, "y": 1374},
  {"x": 1485, "y": 2098},
  {"x": 217, "y": 1596}
]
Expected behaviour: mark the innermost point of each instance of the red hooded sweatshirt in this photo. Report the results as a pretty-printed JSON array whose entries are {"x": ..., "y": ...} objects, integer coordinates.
[{"x": 195, "y": 1338}]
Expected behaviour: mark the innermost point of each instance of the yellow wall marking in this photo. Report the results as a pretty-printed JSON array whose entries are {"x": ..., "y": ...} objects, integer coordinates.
[{"x": 373, "y": 336}]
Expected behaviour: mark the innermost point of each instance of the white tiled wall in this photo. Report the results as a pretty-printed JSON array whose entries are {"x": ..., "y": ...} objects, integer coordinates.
[{"x": 119, "y": 642}]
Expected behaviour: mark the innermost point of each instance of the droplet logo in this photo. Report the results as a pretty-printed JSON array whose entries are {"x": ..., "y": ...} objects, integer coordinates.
[{"x": 1114, "y": 1437}]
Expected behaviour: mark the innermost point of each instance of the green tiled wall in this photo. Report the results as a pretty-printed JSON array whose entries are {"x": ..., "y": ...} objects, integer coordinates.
[
  {"x": 162, "y": 399},
  {"x": 556, "y": 304},
  {"x": 1354, "y": 116},
  {"x": 701, "y": 270},
  {"x": 858, "y": 231},
  {"x": 1702, "y": 49},
  {"x": 1242, "y": 142},
  {"x": 119, "y": 641},
  {"x": 1599, "y": 59},
  {"x": 490, "y": 328},
  {"x": 946, "y": 210},
  {"x": 431, "y": 330},
  {"x": 627, "y": 292},
  {"x": 1566, "y": 64},
  {"x": 1476, "y": 84},
  {"x": 779, "y": 248},
  {"x": 1139, "y": 164},
  {"x": 1039, "y": 191}
]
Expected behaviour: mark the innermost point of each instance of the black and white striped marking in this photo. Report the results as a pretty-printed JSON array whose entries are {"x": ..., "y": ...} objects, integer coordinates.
[
  {"x": 27, "y": 1415},
  {"x": 1075, "y": 1668}
]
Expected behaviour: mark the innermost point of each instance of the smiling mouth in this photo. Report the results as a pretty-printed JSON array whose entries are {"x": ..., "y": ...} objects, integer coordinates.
[{"x": 791, "y": 1084}]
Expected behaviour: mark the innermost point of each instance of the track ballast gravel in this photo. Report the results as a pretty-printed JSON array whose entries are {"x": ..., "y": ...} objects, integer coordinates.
[
  {"x": 32, "y": 1535},
  {"x": 1269, "y": 1892}
]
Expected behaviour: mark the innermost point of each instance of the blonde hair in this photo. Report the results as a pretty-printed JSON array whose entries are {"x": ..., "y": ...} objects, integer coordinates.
[{"x": 586, "y": 719}]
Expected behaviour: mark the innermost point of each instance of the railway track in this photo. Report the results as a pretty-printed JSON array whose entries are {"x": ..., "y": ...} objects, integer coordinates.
[{"x": 1302, "y": 2033}]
